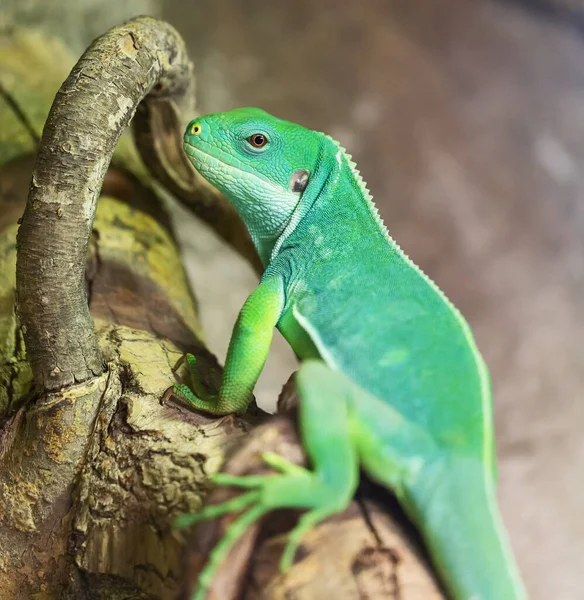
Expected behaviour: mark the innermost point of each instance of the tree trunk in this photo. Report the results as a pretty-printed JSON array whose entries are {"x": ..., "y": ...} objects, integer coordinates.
[{"x": 95, "y": 462}]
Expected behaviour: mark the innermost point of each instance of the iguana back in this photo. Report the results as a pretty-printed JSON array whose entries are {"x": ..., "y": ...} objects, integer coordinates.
[{"x": 373, "y": 315}]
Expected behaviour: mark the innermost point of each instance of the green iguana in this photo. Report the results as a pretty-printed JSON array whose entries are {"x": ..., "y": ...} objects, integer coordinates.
[{"x": 391, "y": 379}]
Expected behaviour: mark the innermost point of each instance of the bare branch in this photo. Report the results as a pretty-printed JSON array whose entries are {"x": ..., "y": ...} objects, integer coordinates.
[{"x": 90, "y": 111}]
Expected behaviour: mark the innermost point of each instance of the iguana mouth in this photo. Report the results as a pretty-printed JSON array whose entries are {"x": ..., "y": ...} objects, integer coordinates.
[{"x": 192, "y": 150}]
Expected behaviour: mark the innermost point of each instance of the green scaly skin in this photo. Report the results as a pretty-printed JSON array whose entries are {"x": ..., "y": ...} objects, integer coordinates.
[{"x": 391, "y": 379}]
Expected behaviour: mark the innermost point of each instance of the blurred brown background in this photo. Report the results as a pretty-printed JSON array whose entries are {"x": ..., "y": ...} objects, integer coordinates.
[{"x": 466, "y": 118}]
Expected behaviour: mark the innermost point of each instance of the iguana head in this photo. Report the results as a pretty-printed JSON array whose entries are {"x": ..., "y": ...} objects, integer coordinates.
[{"x": 262, "y": 164}]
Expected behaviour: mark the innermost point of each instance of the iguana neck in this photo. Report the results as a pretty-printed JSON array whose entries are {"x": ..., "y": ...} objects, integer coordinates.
[{"x": 335, "y": 175}]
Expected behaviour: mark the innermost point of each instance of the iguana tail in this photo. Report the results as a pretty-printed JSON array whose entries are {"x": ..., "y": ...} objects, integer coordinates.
[{"x": 455, "y": 507}]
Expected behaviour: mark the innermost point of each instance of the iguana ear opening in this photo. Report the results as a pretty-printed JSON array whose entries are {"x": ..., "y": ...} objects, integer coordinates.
[{"x": 299, "y": 180}]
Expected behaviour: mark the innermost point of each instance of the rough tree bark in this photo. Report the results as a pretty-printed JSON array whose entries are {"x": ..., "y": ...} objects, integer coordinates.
[{"x": 94, "y": 464}]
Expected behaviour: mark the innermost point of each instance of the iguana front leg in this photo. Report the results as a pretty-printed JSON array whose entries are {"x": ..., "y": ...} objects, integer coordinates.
[
  {"x": 326, "y": 427},
  {"x": 248, "y": 350}
]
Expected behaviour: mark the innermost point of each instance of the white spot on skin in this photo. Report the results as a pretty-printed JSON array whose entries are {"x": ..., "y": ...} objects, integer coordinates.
[
  {"x": 394, "y": 357},
  {"x": 316, "y": 235},
  {"x": 338, "y": 157},
  {"x": 337, "y": 282}
]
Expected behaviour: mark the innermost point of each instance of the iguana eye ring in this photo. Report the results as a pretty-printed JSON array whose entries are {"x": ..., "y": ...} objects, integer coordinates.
[
  {"x": 195, "y": 129},
  {"x": 257, "y": 140}
]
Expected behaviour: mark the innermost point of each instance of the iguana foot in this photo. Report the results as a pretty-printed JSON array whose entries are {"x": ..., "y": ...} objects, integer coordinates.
[
  {"x": 292, "y": 487},
  {"x": 198, "y": 397}
]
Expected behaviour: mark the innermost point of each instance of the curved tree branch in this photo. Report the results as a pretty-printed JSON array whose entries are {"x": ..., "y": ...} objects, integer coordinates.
[{"x": 92, "y": 108}]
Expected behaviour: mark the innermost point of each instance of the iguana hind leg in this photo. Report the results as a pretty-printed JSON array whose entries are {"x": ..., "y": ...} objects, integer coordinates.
[
  {"x": 448, "y": 491},
  {"x": 333, "y": 443}
]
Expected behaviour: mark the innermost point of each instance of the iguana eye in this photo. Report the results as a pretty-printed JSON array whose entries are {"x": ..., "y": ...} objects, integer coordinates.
[{"x": 257, "y": 140}]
